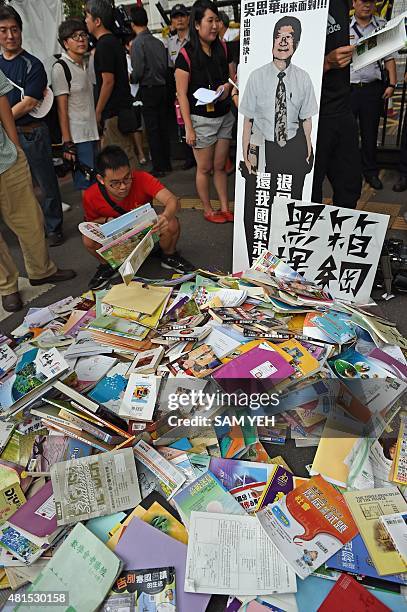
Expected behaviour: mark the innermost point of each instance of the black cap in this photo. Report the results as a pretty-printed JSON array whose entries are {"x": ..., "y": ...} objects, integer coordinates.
[{"x": 179, "y": 9}]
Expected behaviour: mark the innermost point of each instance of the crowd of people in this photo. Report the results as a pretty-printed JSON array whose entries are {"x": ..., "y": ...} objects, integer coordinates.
[{"x": 107, "y": 96}]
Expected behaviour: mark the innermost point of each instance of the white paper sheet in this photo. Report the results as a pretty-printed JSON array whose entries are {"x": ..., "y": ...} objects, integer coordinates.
[{"x": 230, "y": 555}]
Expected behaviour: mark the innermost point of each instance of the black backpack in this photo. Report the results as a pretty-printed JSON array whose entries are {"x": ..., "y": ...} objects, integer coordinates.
[{"x": 52, "y": 119}]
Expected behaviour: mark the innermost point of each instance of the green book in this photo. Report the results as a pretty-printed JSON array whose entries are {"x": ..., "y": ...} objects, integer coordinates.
[{"x": 76, "y": 579}]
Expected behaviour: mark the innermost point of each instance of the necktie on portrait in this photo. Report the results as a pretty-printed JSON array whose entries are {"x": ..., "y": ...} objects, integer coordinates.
[{"x": 280, "y": 121}]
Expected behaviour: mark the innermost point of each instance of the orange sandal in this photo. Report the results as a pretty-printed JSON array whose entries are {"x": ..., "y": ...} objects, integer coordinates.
[{"x": 214, "y": 217}]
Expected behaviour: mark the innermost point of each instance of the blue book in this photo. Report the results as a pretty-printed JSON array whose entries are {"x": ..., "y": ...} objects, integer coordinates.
[
  {"x": 354, "y": 558},
  {"x": 110, "y": 390}
]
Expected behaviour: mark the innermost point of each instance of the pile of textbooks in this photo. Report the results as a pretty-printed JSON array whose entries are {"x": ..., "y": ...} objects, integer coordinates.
[{"x": 166, "y": 441}]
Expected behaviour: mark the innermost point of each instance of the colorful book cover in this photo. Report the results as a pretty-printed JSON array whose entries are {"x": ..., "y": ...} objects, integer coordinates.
[
  {"x": 110, "y": 390},
  {"x": 200, "y": 362},
  {"x": 245, "y": 480},
  {"x": 149, "y": 590},
  {"x": 206, "y": 494},
  {"x": 140, "y": 397},
  {"x": 119, "y": 327},
  {"x": 280, "y": 483},
  {"x": 35, "y": 368},
  {"x": 354, "y": 558},
  {"x": 161, "y": 519},
  {"x": 308, "y": 525},
  {"x": 367, "y": 507},
  {"x": 256, "y": 364},
  {"x": 337, "y": 325},
  {"x": 348, "y": 594}
]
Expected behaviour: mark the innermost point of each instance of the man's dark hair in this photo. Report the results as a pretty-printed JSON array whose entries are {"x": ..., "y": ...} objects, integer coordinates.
[
  {"x": 102, "y": 9},
  {"x": 8, "y": 12},
  {"x": 139, "y": 16},
  {"x": 224, "y": 19},
  {"x": 289, "y": 21},
  {"x": 111, "y": 158},
  {"x": 69, "y": 27}
]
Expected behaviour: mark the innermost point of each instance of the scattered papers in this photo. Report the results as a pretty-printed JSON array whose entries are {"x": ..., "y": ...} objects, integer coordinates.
[{"x": 207, "y": 96}]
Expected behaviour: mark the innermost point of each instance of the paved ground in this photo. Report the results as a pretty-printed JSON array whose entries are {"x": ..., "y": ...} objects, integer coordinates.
[{"x": 206, "y": 245}]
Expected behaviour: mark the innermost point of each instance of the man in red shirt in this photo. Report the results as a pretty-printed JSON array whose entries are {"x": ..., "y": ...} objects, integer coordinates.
[{"x": 119, "y": 190}]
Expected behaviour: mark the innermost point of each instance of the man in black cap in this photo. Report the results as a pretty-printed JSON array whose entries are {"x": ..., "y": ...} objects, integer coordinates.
[{"x": 179, "y": 24}]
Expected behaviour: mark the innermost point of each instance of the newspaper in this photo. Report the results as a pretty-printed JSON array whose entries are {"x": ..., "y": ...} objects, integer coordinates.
[
  {"x": 380, "y": 44},
  {"x": 95, "y": 486}
]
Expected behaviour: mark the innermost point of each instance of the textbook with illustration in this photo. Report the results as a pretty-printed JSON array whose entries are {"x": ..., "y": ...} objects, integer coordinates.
[
  {"x": 308, "y": 525},
  {"x": 206, "y": 494},
  {"x": 149, "y": 589},
  {"x": 367, "y": 507}
]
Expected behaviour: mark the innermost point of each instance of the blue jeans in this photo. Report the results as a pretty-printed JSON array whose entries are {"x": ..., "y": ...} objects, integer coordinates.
[
  {"x": 37, "y": 147},
  {"x": 86, "y": 152}
]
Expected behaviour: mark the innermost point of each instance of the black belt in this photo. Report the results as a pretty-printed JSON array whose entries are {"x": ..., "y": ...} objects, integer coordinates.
[{"x": 361, "y": 85}]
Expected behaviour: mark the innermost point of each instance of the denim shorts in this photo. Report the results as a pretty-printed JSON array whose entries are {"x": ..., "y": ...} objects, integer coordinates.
[
  {"x": 209, "y": 130},
  {"x": 86, "y": 153}
]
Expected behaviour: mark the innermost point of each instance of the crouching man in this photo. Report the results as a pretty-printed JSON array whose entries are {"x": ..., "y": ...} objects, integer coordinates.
[{"x": 119, "y": 190}]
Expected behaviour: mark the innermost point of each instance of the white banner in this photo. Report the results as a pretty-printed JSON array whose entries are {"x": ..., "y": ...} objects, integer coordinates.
[
  {"x": 337, "y": 248},
  {"x": 280, "y": 76}
]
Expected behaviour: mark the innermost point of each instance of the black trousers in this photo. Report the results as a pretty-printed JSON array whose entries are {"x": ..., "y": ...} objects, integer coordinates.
[
  {"x": 338, "y": 158},
  {"x": 367, "y": 105},
  {"x": 155, "y": 113},
  {"x": 290, "y": 159}
]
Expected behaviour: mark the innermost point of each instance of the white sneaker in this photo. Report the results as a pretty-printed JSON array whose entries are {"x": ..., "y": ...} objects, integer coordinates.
[{"x": 66, "y": 207}]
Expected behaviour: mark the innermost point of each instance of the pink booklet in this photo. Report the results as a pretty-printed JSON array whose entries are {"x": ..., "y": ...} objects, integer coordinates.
[
  {"x": 258, "y": 364},
  {"x": 37, "y": 515}
]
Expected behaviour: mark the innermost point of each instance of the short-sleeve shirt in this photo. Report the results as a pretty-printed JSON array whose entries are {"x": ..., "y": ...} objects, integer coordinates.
[
  {"x": 143, "y": 189},
  {"x": 110, "y": 56},
  {"x": 8, "y": 151},
  {"x": 258, "y": 100},
  {"x": 174, "y": 44},
  {"x": 81, "y": 106},
  {"x": 27, "y": 72},
  {"x": 372, "y": 72},
  {"x": 210, "y": 74}
]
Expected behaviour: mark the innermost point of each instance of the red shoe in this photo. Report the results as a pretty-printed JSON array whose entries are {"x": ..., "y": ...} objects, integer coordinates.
[
  {"x": 214, "y": 217},
  {"x": 228, "y": 216},
  {"x": 229, "y": 167}
]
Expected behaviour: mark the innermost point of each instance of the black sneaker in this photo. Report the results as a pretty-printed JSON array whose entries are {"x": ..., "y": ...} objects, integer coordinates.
[
  {"x": 55, "y": 239},
  {"x": 177, "y": 263},
  {"x": 101, "y": 277}
]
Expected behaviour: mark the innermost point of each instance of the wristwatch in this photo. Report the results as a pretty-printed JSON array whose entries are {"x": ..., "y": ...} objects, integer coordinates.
[{"x": 392, "y": 86}]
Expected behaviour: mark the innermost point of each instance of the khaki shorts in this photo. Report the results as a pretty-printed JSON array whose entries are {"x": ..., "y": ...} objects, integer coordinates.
[{"x": 209, "y": 130}]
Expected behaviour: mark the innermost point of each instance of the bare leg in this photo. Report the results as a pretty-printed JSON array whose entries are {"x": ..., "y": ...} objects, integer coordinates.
[
  {"x": 138, "y": 141},
  {"x": 91, "y": 246},
  {"x": 169, "y": 239},
  {"x": 219, "y": 175},
  {"x": 204, "y": 166}
]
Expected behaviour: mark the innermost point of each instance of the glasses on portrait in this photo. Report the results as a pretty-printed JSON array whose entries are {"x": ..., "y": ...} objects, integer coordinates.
[
  {"x": 126, "y": 180},
  {"x": 77, "y": 36},
  {"x": 287, "y": 37}
]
